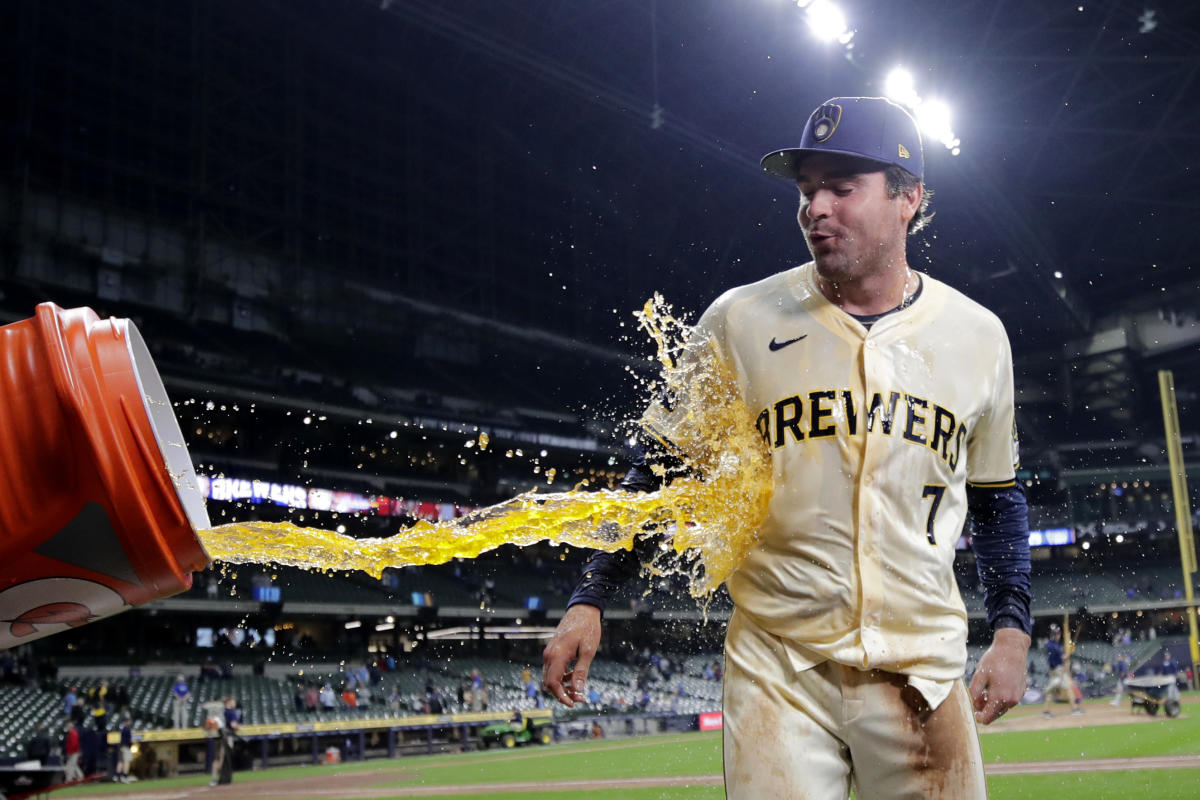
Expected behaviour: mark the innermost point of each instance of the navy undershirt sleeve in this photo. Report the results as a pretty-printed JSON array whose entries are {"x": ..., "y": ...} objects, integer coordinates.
[
  {"x": 605, "y": 573},
  {"x": 1001, "y": 543}
]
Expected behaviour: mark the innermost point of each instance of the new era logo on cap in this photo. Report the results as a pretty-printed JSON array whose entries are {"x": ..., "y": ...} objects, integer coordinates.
[{"x": 873, "y": 128}]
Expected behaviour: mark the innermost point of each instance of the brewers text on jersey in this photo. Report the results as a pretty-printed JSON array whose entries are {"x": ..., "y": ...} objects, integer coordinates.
[{"x": 818, "y": 414}]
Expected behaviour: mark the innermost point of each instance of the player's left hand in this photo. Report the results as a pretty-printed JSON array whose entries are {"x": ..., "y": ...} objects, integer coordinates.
[{"x": 999, "y": 682}]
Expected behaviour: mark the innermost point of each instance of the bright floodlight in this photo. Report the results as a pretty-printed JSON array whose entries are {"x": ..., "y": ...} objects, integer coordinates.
[
  {"x": 826, "y": 21},
  {"x": 934, "y": 119},
  {"x": 932, "y": 115},
  {"x": 899, "y": 87}
]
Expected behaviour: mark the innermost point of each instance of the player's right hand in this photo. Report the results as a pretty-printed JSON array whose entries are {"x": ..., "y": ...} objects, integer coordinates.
[
  {"x": 999, "y": 681},
  {"x": 575, "y": 640}
]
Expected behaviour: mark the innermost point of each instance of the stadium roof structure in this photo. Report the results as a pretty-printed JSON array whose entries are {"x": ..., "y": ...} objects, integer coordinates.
[{"x": 439, "y": 187}]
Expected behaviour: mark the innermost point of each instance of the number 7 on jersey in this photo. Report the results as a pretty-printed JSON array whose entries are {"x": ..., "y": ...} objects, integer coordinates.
[{"x": 935, "y": 491}]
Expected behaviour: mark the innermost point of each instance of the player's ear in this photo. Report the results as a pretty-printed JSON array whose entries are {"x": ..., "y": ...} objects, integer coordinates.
[{"x": 910, "y": 201}]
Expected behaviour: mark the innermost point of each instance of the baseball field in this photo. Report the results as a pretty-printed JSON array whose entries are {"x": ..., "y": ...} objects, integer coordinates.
[{"x": 1105, "y": 753}]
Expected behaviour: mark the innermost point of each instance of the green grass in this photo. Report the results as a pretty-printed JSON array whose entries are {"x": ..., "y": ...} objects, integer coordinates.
[
  {"x": 680, "y": 754},
  {"x": 1163, "y": 737},
  {"x": 699, "y": 754},
  {"x": 1162, "y": 784}
]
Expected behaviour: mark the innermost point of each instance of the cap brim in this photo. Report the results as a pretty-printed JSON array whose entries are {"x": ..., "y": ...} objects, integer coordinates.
[{"x": 786, "y": 163}]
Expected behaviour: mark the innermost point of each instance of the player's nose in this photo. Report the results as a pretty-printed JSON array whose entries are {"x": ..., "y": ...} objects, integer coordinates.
[{"x": 817, "y": 205}]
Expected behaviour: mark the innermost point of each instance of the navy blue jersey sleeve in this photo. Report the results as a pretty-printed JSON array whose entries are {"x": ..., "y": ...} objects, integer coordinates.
[
  {"x": 605, "y": 573},
  {"x": 1001, "y": 542}
]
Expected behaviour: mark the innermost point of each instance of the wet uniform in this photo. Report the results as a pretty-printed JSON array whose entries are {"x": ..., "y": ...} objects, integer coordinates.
[{"x": 846, "y": 648}]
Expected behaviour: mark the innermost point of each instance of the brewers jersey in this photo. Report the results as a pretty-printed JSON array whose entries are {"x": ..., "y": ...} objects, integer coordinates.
[{"x": 874, "y": 436}]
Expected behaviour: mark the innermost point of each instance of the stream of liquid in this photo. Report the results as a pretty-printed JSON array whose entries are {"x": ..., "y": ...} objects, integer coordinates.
[{"x": 708, "y": 519}]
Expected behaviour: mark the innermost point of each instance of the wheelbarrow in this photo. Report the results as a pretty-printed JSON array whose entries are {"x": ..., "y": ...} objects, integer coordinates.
[{"x": 1149, "y": 692}]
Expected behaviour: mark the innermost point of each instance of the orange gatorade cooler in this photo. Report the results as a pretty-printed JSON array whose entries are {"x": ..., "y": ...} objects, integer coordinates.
[{"x": 99, "y": 503}]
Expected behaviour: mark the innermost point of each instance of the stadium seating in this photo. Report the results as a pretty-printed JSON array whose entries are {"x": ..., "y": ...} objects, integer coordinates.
[
  {"x": 621, "y": 686},
  {"x": 21, "y": 710}
]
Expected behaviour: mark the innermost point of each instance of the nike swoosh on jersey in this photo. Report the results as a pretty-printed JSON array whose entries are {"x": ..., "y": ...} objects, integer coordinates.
[{"x": 774, "y": 345}]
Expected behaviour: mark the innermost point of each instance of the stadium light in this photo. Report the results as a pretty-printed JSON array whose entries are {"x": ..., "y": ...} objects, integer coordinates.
[
  {"x": 934, "y": 118},
  {"x": 826, "y": 21},
  {"x": 932, "y": 115},
  {"x": 352, "y": 624},
  {"x": 899, "y": 86}
]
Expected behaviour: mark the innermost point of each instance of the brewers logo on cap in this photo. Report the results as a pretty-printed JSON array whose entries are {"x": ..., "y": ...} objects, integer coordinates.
[
  {"x": 871, "y": 128},
  {"x": 825, "y": 121}
]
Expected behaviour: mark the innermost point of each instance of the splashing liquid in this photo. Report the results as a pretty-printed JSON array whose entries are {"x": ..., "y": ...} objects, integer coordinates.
[{"x": 708, "y": 519}]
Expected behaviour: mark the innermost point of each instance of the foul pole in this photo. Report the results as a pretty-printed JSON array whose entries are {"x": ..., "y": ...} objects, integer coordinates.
[{"x": 1183, "y": 512}]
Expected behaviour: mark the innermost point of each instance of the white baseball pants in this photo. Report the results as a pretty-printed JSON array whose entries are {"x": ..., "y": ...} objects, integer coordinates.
[{"x": 810, "y": 735}]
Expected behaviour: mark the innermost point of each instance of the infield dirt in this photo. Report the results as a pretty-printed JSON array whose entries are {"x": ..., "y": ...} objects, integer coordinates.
[{"x": 1029, "y": 718}]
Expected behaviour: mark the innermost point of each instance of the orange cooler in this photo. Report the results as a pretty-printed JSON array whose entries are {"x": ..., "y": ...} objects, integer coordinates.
[{"x": 99, "y": 502}]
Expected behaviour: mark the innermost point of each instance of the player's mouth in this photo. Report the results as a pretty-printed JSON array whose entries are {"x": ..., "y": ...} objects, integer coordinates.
[{"x": 821, "y": 239}]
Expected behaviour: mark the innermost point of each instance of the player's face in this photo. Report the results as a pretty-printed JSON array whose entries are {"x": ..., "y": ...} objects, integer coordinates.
[{"x": 852, "y": 227}]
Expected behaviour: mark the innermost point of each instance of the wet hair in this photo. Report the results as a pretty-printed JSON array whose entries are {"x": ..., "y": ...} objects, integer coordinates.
[{"x": 900, "y": 181}]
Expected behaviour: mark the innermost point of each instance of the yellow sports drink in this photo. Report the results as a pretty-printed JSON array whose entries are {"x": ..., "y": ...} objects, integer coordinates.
[{"x": 708, "y": 519}]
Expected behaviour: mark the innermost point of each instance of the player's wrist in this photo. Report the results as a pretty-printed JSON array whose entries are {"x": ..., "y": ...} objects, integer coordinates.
[
  {"x": 585, "y": 609},
  {"x": 1011, "y": 637},
  {"x": 1010, "y": 621}
]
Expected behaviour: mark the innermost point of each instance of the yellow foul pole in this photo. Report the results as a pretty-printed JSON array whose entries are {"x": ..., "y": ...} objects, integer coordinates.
[{"x": 1183, "y": 512}]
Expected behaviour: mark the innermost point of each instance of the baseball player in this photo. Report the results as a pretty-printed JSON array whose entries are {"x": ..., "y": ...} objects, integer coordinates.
[
  {"x": 886, "y": 400},
  {"x": 1059, "y": 662}
]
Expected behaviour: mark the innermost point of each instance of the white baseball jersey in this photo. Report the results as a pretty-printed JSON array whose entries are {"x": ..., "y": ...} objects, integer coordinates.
[{"x": 874, "y": 436}]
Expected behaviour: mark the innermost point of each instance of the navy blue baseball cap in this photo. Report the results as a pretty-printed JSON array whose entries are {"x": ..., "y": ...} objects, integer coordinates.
[{"x": 873, "y": 128}]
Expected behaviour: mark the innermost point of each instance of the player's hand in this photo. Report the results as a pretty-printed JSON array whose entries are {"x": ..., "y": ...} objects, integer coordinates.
[
  {"x": 576, "y": 639},
  {"x": 999, "y": 682}
]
